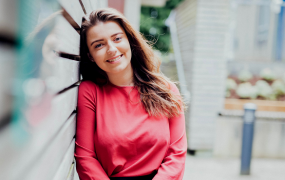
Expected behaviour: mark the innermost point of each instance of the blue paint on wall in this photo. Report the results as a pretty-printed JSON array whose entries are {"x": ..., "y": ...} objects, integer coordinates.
[{"x": 280, "y": 34}]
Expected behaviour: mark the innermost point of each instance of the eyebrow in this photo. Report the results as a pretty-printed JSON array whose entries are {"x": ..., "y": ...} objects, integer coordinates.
[{"x": 103, "y": 39}]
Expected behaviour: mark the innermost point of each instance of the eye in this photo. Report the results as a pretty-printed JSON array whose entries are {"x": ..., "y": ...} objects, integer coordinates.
[
  {"x": 98, "y": 45},
  {"x": 118, "y": 38}
]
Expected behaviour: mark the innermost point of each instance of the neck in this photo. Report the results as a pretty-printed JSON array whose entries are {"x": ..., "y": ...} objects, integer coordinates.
[{"x": 123, "y": 78}]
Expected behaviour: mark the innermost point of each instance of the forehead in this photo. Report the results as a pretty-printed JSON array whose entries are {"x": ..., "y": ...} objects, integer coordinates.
[{"x": 104, "y": 30}]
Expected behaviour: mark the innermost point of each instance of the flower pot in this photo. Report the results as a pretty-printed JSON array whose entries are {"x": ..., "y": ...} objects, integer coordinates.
[{"x": 262, "y": 105}]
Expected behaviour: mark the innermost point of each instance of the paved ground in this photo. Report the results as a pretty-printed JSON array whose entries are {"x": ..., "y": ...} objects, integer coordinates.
[{"x": 209, "y": 168}]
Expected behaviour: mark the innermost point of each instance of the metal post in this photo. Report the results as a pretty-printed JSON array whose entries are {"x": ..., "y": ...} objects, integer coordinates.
[{"x": 247, "y": 137}]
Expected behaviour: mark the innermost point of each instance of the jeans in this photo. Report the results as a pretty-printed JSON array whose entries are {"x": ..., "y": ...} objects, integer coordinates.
[{"x": 147, "y": 177}]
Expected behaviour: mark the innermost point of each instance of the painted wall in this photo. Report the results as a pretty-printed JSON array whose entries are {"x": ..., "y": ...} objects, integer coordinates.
[
  {"x": 268, "y": 140},
  {"x": 39, "y": 79},
  {"x": 201, "y": 27}
]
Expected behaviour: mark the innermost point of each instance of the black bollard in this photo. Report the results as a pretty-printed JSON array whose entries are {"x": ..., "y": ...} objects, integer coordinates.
[{"x": 247, "y": 137}]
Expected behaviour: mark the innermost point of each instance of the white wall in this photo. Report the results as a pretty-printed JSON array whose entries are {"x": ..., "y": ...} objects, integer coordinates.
[
  {"x": 247, "y": 46},
  {"x": 39, "y": 142},
  {"x": 268, "y": 140},
  {"x": 202, "y": 27},
  {"x": 132, "y": 11}
]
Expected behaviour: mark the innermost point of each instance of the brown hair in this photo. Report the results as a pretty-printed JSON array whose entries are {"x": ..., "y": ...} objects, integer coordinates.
[{"x": 153, "y": 86}]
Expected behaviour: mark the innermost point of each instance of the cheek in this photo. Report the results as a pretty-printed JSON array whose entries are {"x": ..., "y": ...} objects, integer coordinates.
[
  {"x": 126, "y": 49},
  {"x": 98, "y": 57},
  {"x": 129, "y": 54}
]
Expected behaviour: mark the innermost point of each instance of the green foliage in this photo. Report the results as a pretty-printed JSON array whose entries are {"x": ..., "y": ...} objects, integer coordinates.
[
  {"x": 267, "y": 74},
  {"x": 152, "y": 24},
  {"x": 246, "y": 90},
  {"x": 244, "y": 75}
]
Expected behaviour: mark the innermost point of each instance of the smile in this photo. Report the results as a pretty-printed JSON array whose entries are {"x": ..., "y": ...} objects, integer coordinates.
[{"x": 115, "y": 59}]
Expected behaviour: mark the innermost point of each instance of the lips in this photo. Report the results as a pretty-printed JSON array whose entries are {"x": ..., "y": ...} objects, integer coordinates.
[{"x": 114, "y": 59}]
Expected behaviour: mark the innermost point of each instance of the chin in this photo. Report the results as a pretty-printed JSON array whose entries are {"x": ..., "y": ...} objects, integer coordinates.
[{"x": 120, "y": 69}]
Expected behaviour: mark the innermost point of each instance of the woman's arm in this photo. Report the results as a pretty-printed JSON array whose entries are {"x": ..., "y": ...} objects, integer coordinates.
[
  {"x": 87, "y": 165},
  {"x": 173, "y": 164}
]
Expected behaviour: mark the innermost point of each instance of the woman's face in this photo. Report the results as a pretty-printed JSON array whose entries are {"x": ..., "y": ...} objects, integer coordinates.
[{"x": 109, "y": 47}]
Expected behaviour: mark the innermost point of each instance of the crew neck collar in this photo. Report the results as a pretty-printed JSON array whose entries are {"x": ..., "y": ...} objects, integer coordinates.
[{"x": 119, "y": 86}]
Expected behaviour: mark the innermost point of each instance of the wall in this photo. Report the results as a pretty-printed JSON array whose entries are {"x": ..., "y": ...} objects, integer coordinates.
[
  {"x": 39, "y": 79},
  {"x": 202, "y": 28},
  {"x": 269, "y": 135},
  {"x": 185, "y": 22},
  {"x": 255, "y": 37},
  {"x": 132, "y": 11}
]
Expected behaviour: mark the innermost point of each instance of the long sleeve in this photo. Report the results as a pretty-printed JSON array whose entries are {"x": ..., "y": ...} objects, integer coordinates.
[
  {"x": 88, "y": 167},
  {"x": 173, "y": 164}
]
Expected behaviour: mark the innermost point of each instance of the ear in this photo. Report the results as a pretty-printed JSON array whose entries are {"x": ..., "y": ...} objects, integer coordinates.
[{"x": 90, "y": 57}]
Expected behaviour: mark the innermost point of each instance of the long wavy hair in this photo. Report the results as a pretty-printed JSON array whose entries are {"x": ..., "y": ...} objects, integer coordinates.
[{"x": 153, "y": 86}]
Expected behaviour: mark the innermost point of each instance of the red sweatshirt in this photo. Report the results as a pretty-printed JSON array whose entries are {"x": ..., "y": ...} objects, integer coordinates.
[{"x": 115, "y": 136}]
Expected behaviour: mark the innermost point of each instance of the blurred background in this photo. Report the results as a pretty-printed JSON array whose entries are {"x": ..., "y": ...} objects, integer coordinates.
[{"x": 222, "y": 53}]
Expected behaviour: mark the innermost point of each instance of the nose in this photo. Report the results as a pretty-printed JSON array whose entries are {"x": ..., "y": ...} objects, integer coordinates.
[{"x": 112, "y": 50}]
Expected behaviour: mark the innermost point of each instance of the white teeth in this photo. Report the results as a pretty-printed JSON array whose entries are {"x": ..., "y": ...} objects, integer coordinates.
[{"x": 115, "y": 59}]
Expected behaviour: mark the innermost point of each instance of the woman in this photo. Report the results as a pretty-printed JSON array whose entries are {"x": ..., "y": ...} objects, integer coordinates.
[{"x": 130, "y": 121}]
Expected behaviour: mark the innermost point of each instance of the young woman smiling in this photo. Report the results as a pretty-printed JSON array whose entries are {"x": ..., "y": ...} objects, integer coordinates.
[{"x": 130, "y": 121}]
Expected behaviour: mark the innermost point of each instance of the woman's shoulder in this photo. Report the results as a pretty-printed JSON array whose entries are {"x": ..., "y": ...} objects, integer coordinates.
[
  {"x": 87, "y": 85},
  {"x": 173, "y": 88}
]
